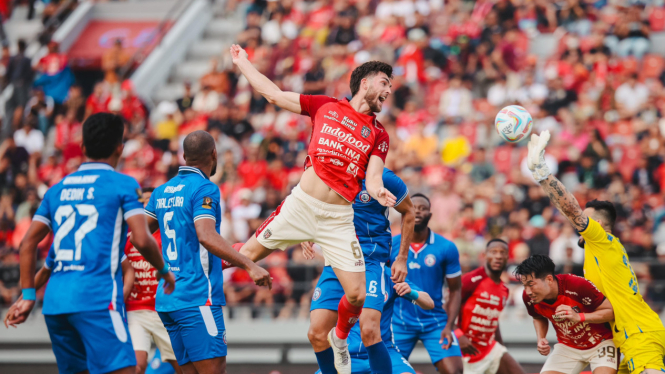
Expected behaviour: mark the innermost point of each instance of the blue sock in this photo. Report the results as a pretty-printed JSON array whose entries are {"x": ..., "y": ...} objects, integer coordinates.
[
  {"x": 326, "y": 360},
  {"x": 379, "y": 359}
]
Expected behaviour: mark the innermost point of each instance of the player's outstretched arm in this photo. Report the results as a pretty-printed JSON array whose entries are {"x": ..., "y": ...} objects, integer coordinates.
[
  {"x": 420, "y": 298},
  {"x": 541, "y": 325},
  {"x": 604, "y": 313},
  {"x": 41, "y": 278},
  {"x": 218, "y": 246},
  {"x": 147, "y": 246},
  {"x": 286, "y": 100},
  {"x": 398, "y": 267},
  {"x": 564, "y": 201},
  {"x": 374, "y": 182},
  {"x": 452, "y": 308},
  {"x": 128, "y": 276}
]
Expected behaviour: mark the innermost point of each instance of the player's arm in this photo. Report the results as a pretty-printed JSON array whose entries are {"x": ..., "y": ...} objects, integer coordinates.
[
  {"x": 452, "y": 308},
  {"x": 286, "y": 100},
  {"x": 497, "y": 335},
  {"x": 541, "y": 325},
  {"x": 374, "y": 182},
  {"x": 148, "y": 248},
  {"x": 218, "y": 246},
  {"x": 128, "y": 276},
  {"x": 604, "y": 313},
  {"x": 398, "y": 266},
  {"x": 417, "y": 297},
  {"x": 562, "y": 199}
]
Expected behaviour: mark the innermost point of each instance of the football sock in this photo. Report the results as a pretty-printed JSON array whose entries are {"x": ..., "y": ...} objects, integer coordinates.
[
  {"x": 326, "y": 360},
  {"x": 347, "y": 316},
  {"x": 379, "y": 359}
]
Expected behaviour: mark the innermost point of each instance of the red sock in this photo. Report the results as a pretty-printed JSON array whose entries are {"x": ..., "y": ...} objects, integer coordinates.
[
  {"x": 347, "y": 316},
  {"x": 226, "y": 264}
]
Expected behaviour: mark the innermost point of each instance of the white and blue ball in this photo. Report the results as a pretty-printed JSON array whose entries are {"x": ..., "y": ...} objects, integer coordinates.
[{"x": 513, "y": 123}]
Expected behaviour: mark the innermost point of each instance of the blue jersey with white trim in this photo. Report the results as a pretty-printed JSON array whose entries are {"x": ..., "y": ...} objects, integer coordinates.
[
  {"x": 87, "y": 212},
  {"x": 177, "y": 204},
  {"x": 437, "y": 259},
  {"x": 356, "y": 347},
  {"x": 371, "y": 218}
]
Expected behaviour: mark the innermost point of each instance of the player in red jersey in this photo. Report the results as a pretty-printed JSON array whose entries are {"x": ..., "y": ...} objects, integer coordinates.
[
  {"x": 142, "y": 319},
  {"x": 347, "y": 145},
  {"x": 483, "y": 298},
  {"x": 579, "y": 313}
]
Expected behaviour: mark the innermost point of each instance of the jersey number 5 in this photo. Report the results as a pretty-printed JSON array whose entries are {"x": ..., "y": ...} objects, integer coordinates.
[
  {"x": 67, "y": 211},
  {"x": 171, "y": 251}
]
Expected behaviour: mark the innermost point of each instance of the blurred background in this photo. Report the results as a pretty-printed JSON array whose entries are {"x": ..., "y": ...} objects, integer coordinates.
[{"x": 590, "y": 71}]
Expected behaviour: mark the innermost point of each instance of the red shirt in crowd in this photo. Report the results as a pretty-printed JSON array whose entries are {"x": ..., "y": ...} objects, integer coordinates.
[
  {"x": 482, "y": 303},
  {"x": 143, "y": 293},
  {"x": 342, "y": 143},
  {"x": 252, "y": 172},
  {"x": 583, "y": 297}
]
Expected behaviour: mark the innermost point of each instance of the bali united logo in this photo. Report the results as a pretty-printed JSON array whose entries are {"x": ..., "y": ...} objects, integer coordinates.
[
  {"x": 430, "y": 260},
  {"x": 364, "y": 196},
  {"x": 267, "y": 234},
  {"x": 317, "y": 294},
  {"x": 383, "y": 147},
  {"x": 365, "y": 131}
]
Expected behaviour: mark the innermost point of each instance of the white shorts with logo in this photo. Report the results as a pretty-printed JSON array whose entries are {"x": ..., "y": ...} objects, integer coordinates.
[
  {"x": 489, "y": 364},
  {"x": 146, "y": 324},
  {"x": 303, "y": 218},
  {"x": 569, "y": 360}
]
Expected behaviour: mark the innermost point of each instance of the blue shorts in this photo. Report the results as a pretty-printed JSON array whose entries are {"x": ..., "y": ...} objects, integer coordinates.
[
  {"x": 329, "y": 291},
  {"x": 97, "y": 341},
  {"x": 400, "y": 364},
  {"x": 405, "y": 340},
  {"x": 196, "y": 333},
  {"x": 156, "y": 366}
]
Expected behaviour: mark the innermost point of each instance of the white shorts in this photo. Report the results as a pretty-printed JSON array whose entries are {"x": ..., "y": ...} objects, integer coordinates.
[
  {"x": 572, "y": 361},
  {"x": 303, "y": 218},
  {"x": 489, "y": 364},
  {"x": 146, "y": 324}
]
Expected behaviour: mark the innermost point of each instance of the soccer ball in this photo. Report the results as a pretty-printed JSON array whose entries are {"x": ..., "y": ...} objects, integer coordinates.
[{"x": 513, "y": 123}]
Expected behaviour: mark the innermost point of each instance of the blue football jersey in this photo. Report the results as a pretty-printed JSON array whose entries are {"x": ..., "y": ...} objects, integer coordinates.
[
  {"x": 437, "y": 259},
  {"x": 87, "y": 212},
  {"x": 371, "y": 218},
  {"x": 356, "y": 347},
  {"x": 177, "y": 204}
]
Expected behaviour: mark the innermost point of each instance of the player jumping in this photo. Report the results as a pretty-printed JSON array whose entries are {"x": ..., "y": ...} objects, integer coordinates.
[
  {"x": 432, "y": 259},
  {"x": 347, "y": 145},
  {"x": 187, "y": 212},
  {"x": 579, "y": 314},
  {"x": 89, "y": 211},
  {"x": 373, "y": 230},
  {"x": 483, "y": 298},
  {"x": 638, "y": 332}
]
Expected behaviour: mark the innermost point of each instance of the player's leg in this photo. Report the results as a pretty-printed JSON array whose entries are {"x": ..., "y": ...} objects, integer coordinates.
[
  {"x": 370, "y": 318},
  {"x": 405, "y": 339},
  {"x": 604, "y": 358},
  {"x": 140, "y": 338},
  {"x": 644, "y": 353},
  {"x": 157, "y": 366},
  {"x": 323, "y": 317},
  {"x": 105, "y": 336},
  {"x": 177, "y": 344},
  {"x": 215, "y": 365},
  {"x": 447, "y": 361},
  {"x": 67, "y": 344},
  {"x": 400, "y": 365},
  {"x": 508, "y": 365}
]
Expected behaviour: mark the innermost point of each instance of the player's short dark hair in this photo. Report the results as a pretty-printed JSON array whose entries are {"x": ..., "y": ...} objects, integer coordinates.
[
  {"x": 606, "y": 209},
  {"x": 198, "y": 145},
  {"x": 148, "y": 189},
  {"x": 102, "y": 134},
  {"x": 423, "y": 196},
  {"x": 368, "y": 69},
  {"x": 538, "y": 266},
  {"x": 496, "y": 240}
]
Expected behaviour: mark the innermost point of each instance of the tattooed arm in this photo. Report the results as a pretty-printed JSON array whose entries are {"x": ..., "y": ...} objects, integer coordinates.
[{"x": 565, "y": 202}]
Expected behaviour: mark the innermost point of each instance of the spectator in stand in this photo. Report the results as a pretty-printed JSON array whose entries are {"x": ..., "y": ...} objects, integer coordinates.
[
  {"x": 20, "y": 75},
  {"x": 456, "y": 103},
  {"x": 539, "y": 244},
  {"x": 55, "y": 76},
  {"x": 631, "y": 33},
  {"x": 185, "y": 102},
  {"x": 113, "y": 60},
  {"x": 559, "y": 247},
  {"x": 315, "y": 83},
  {"x": 206, "y": 100},
  {"x": 244, "y": 214},
  {"x": 41, "y": 106},
  {"x": 631, "y": 96},
  {"x": 99, "y": 100},
  {"x": 29, "y": 137},
  {"x": 482, "y": 169}
]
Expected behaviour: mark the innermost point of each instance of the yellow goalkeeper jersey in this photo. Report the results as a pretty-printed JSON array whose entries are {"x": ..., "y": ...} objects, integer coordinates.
[{"x": 606, "y": 265}]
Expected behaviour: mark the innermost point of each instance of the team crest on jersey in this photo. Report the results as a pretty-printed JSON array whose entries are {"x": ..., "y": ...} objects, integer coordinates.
[
  {"x": 139, "y": 194},
  {"x": 207, "y": 203},
  {"x": 383, "y": 147},
  {"x": 365, "y": 131},
  {"x": 317, "y": 294},
  {"x": 364, "y": 196},
  {"x": 385, "y": 297},
  {"x": 267, "y": 234},
  {"x": 430, "y": 260},
  {"x": 586, "y": 301},
  {"x": 577, "y": 309}
]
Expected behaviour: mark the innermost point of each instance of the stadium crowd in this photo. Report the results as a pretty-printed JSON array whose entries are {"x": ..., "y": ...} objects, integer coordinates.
[{"x": 601, "y": 94}]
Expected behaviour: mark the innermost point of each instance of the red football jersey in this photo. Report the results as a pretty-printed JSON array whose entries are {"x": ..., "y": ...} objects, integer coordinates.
[
  {"x": 483, "y": 300},
  {"x": 145, "y": 282},
  {"x": 583, "y": 297},
  {"x": 342, "y": 142}
]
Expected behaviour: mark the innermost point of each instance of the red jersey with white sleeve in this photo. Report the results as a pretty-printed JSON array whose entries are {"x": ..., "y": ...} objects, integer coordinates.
[
  {"x": 142, "y": 296},
  {"x": 342, "y": 143},
  {"x": 483, "y": 301},
  {"x": 583, "y": 297}
]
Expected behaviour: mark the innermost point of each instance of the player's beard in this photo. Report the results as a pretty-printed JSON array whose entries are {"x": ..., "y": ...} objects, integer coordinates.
[
  {"x": 372, "y": 99},
  {"x": 214, "y": 168},
  {"x": 423, "y": 224}
]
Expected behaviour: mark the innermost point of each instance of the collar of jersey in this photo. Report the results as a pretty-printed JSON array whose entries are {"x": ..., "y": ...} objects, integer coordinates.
[
  {"x": 95, "y": 166},
  {"x": 371, "y": 117},
  {"x": 190, "y": 170}
]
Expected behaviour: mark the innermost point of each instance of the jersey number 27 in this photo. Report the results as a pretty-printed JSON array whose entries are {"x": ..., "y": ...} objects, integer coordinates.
[{"x": 68, "y": 213}]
